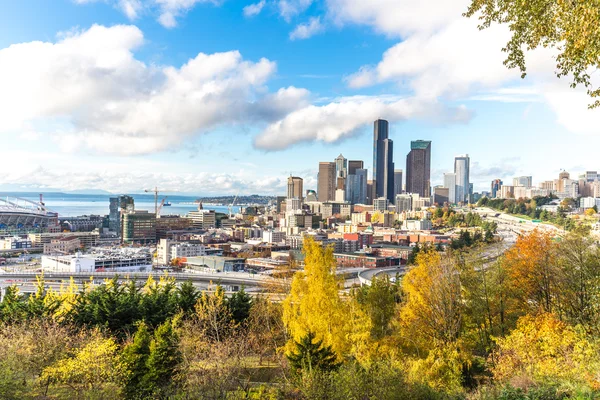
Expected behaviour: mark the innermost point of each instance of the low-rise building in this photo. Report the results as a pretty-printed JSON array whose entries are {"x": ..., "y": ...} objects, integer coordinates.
[
  {"x": 86, "y": 239},
  {"x": 15, "y": 243},
  {"x": 215, "y": 264},
  {"x": 62, "y": 245},
  {"x": 362, "y": 260},
  {"x": 100, "y": 260},
  {"x": 168, "y": 250}
]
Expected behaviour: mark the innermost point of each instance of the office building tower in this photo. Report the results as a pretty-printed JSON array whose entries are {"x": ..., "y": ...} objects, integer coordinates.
[
  {"x": 326, "y": 181},
  {"x": 403, "y": 202},
  {"x": 380, "y": 204},
  {"x": 461, "y": 170},
  {"x": 353, "y": 165},
  {"x": 591, "y": 176},
  {"x": 441, "y": 195},
  {"x": 294, "y": 188},
  {"x": 397, "y": 181},
  {"x": 383, "y": 161},
  {"x": 370, "y": 192},
  {"x": 418, "y": 168},
  {"x": 341, "y": 167},
  {"x": 525, "y": 181},
  {"x": 356, "y": 187},
  {"x": 495, "y": 189},
  {"x": 311, "y": 196},
  {"x": 450, "y": 184},
  {"x": 114, "y": 218},
  {"x": 138, "y": 227}
]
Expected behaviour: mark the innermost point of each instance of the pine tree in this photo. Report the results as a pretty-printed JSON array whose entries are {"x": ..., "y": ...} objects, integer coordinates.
[
  {"x": 134, "y": 362},
  {"x": 239, "y": 304},
  {"x": 311, "y": 355},
  {"x": 164, "y": 360}
]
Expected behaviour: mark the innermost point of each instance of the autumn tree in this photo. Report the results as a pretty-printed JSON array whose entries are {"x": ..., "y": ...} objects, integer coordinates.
[
  {"x": 544, "y": 349},
  {"x": 532, "y": 269},
  {"x": 379, "y": 300},
  {"x": 314, "y": 304},
  {"x": 570, "y": 27}
]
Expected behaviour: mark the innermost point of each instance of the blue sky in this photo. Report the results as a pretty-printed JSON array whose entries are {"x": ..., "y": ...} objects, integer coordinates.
[{"x": 199, "y": 96}]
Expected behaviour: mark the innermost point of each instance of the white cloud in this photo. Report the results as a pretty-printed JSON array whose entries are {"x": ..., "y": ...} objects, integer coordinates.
[
  {"x": 168, "y": 10},
  {"x": 100, "y": 97},
  {"x": 291, "y": 8},
  {"x": 304, "y": 31},
  {"x": 444, "y": 55},
  {"x": 253, "y": 10},
  {"x": 131, "y": 8},
  {"x": 342, "y": 118}
]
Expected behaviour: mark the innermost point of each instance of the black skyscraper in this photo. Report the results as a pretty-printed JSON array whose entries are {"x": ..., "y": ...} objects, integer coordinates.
[
  {"x": 418, "y": 168},
  {"x": 383, "y": 161}
]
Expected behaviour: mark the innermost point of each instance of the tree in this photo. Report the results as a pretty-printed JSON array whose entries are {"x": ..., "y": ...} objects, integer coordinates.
[
  {"x": 313, "y": 304},
  {"x": 532, "y": 269},
  {"x": 91, "y": 368},
  {"x": 571, "y": 27},
  {"x": 310, "y": 355},
  {"x": 134, "y": 363},
  {"x": 544, "y": 349},
  {"x": 163, "y": 360},
  {"x": 379, "y": 302},
  {"x": 239, "y": 305},
  {"x": 186, "y": 297},
  {"x": 213, "y": 315},
  {"x": 433, "y": 304},
  {"x": 590, "y": 212}
]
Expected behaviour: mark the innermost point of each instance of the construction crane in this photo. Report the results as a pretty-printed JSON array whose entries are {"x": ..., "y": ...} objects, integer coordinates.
[
  {"x": 232, "y": 204},
  {"x": 160, "y": 206},
  {"x": 155, "y": 191}
]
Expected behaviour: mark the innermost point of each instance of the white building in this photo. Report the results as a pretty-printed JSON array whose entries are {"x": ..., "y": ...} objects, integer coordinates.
[
  {"x": 127, "y": 259},
  {"x": 403, "y": 202},
  {"x": 450, "y": 183},
  {"x": 203, "y": 219},
  {"x": 273, "y": 236},
  {"x": 462, "y": 165},
  {"x": 380, "y": 204},
  {"x": 589, "y": 202},
  {"x": 417, "y": 225}
]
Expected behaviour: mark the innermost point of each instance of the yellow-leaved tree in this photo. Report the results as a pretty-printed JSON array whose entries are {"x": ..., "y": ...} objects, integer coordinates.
[
  {"x": 431, "y": 322},
  {"x": 545, "y": 349},
  {"x": 314, "y": 304}
]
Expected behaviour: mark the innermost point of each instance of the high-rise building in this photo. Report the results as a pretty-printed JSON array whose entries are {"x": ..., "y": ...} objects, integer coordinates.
[
  {"x": 440, "y": 195},
  {"x": 114, "y": 219},
  {"x": 418, "y": 168},
  {"x": 397, "y": 181},
  {"x": 591, "y": 176},
  {"x": 294, "y": 188},
  {"x": 370, "y": 192},
  {"x": 403, "y": 202},
  {"x": 356, "y": 187},
  {"x": 353, "y": 165},
  {"x": 461, "y": 170},
  {"x": 380, "y": 204},
  {"x": 495, "y": 189},
  {"x": 526, "y": 181},
  {"x": 138, "y": 227},
  {"x": 326, "y": 181},
  {"x": 383, "y": 161},
  {"x": 450, "y": 184},
  {"x": 341, "y": 167}
]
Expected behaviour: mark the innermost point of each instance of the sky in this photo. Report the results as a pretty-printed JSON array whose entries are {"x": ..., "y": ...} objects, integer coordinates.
[{"x": 216, "y": 97}]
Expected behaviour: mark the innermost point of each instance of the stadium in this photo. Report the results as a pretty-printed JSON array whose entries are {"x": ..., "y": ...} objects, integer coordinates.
[{"x": 21, "y": 213}]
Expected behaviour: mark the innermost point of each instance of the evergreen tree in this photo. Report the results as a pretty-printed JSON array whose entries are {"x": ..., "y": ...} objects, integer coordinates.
[
  {"x": 187, "y": 297},
  {"x": 311, "y": 355},
  {"x": 239, "y": 304},
  {"x": 164, "y": 359},
  {"x": 134, "y": 362}
]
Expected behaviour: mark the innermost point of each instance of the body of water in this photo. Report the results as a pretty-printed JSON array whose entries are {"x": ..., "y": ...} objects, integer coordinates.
[{"x": 72, "y": 205}]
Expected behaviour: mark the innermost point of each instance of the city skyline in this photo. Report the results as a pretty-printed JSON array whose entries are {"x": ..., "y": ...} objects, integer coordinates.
[{"x": 109, "y": 126}]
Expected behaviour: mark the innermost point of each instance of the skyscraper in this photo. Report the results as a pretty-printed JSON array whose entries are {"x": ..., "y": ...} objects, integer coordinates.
[
  {"x": 294, "y": 188},
  {"x": 462, "y": 165},
  {"x": 526, "y": 181},
  {"x": 356, "y": 187},
  {"x": 341, "y": 166},
  {"x": 326, "y": 181},
  {"x": 397, "y": 181},
  {"x": 418, "y": 168},
  {"x": 383, "y": 161},
  {"x": 353, "y": 165},
  {"x": 450, "y": 184},
  {"x": 496, "y": 186}
]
